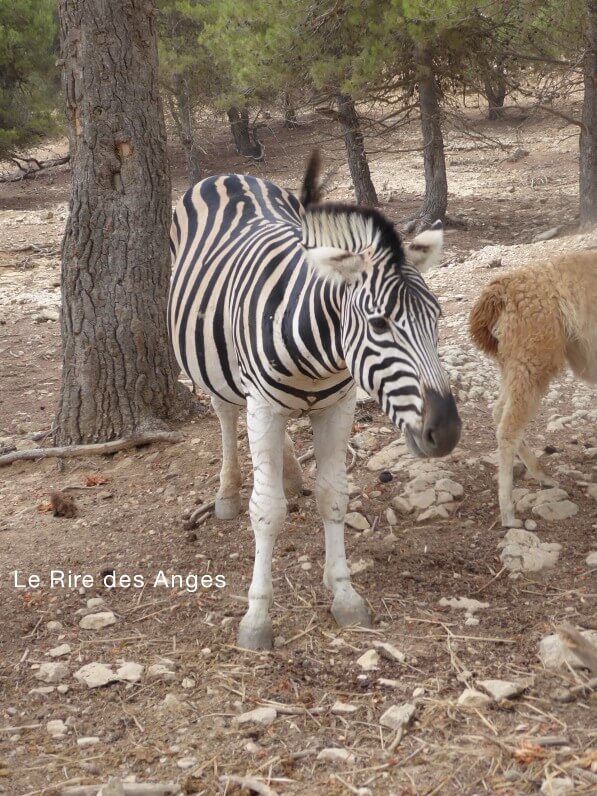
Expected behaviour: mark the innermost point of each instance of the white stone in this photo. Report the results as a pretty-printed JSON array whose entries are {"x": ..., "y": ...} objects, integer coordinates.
[
  {"x": 591, "y": 559},
  {"x": 356, "y": 520},
  {"x": 554, "y": 654},
  {"x": 43, "y": 690},
  {"x": 159, "y": 671},
  {"x": 343, "y": 708},
  {"x": 54, "y": 626},
  {"x": 530, "y": 525},
  {"x": 261, "y": 716},
  {"x": 186, "y": 762},
  {"x": 388, "y": 683},
  {"x": 523, "y": 551},
  {"x": 129, "y": 671},
  {"x": 402, "y": 505},
  {"x": 501, "y": 689},
  {"x": 188, "y": 682},
  {"x": 422, "y": 500},
  {"x": 391, "y": 517},
  {"x": 58, "y": 652},
  {"x": 592, "y": 491},
  {"x": 389, "y": 651},
  {"x": 551, "y": 495},
  {"x": 97, "y": 621},
  {"x": 56, "y": 728},
  {"x": 398, "y": 716},
  {"x": 561, "y": 510},
  {"x": 452, "y": 487},
  {"x": 463, "y": 603},
  {"x": 365, "y": 440},
  {"x": 63, "y": 688},
  {"x": 89, "y": 740},
  {"x": 388, "y": 458},
  {"x": 172, "y": 704},
  {"x": 470, "y": 697},
  {"x": 95, "y": 675},
  {"x": 360, "y": 565},
  {"x": 333, "y": 754},
  {"x": 95, "y": 602},
  {"x": 51, "y": 672},
  {"x": 368, "y": 661},
  {"x": 557, "y": 786},
  {"x": 434, "y": 513}
]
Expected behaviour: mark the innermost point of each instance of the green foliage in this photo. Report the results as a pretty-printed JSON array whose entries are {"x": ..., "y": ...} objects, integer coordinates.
[{"x": 29, "y": 82}]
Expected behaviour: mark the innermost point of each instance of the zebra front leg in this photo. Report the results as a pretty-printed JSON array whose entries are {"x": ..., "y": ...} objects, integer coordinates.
[
  {"x": 228, "y": 497},
  {"x": 267, "y": 508},
  {"x": 331, "y": 429}
]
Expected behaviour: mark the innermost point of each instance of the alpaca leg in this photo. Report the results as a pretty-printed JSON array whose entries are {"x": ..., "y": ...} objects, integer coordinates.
[
  {"x": 331, "y": 429},
  {"x": 228, "y": 497},
  {"x": 531, "y": 462},
  {"x": 293, "y": 474},
  {"x": 267, "y": 509},
  {"x": 519, "y": 406}
]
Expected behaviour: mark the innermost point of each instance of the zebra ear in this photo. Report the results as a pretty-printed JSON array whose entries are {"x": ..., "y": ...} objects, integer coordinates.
[
  {"x": 424, "y": 251},
  {"x": 334, "y": 264}
]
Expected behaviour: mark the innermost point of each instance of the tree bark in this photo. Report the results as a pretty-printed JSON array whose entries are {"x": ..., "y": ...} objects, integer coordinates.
[
  {"x": 118, "y": 372},
  {"x": 588, "y": 134},
  {"x": 239, "y": 126},
  {"x": 187, "y": 131},
  {"x": 290, "y": 119},
  {"x": 355, "y": 151},
  {"x": 435, "y": 201},
  {"x": 495, "y": 93}
]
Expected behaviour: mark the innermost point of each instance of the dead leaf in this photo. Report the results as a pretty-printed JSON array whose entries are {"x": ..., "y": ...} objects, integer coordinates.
[
  {"x": 97, "y": 480},
  {"x": 528, "y": 752}
]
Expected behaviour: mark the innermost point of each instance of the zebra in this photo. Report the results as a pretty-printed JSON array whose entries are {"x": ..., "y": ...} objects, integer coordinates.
[{"x": 281, "y": 305}]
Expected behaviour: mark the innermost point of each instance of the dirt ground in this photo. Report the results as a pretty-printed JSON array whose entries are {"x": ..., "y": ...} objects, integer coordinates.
[{"x": 182, "y": 727}]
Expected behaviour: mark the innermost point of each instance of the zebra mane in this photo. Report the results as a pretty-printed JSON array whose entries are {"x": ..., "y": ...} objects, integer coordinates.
[{"x": 350, "y": 229}]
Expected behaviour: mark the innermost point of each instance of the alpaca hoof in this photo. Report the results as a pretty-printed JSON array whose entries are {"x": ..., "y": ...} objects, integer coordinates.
[
  {"x": 255, "y": 637},
  {"x": 227, "y": 508},
  {"x": 350, "y": 610}
]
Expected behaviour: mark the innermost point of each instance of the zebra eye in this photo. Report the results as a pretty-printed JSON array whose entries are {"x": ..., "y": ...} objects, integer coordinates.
[{"x": 378, "y": 324}]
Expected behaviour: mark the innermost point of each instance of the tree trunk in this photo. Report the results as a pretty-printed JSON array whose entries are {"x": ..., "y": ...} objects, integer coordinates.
[
  {"x": 435, "y": 201},
  {"x": 355, "y": 151},
  {"x": 187, "y": 132},
  {"x": 290, "y": 119},
  {"x": 118, "y": 372},
  {"x": 239, "y": 125},
  {"x": 588, "y": 135},
  {"x": 495, "y": 93}
]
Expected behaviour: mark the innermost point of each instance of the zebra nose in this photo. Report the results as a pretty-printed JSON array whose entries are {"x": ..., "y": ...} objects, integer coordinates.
[{"x": 441, "y": 424}]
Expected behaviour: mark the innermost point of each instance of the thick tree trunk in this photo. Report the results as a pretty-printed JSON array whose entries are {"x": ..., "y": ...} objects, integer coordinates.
[
  {"x": 118, "y": 373},
  {"x": 187, "y": 131},
  {"x": 239, "y": 126},
  {"x": 355, "y": 151},
  {"x": 495, "y": 93},
  {"x": 435, "y": 201},
  {"x": 588, "y": 135},
  {"x": 290, "y": 119}
]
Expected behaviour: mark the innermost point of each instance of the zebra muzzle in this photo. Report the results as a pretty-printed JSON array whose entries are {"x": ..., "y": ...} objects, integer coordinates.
[{"x": 441, "y": 427}]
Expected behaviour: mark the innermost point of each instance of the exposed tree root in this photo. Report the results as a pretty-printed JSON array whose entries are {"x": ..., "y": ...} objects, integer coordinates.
[{"x": 96, "y": 449}]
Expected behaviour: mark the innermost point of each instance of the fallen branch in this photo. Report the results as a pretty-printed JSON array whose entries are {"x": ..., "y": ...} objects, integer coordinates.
[
  {"x": 580, "y": 646},
  {"x": 251, "y": 784},
  {"x": 96, "y": 449},
  {"x": 39, "y": 165}
]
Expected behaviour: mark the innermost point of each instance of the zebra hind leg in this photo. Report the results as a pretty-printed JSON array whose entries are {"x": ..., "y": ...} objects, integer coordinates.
[
  {"x": 267, "y": 508},
  {"x": 293, "y": 473},
  {"x": 228, "y": 497},
  {"x": 331, "y": 429}
]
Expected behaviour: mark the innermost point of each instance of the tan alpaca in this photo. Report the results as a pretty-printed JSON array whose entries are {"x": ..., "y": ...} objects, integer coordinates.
[{"x": 533, "y": 321}]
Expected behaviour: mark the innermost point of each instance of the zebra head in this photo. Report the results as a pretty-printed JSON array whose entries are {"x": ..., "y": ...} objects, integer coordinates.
[{"x": 389, "y": 318}]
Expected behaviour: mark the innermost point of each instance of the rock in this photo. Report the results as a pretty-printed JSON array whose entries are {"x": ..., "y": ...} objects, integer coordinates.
[
  {"x": 97, "y": 621},
  {"x": 129, "y": 671},
  {"x": 57, "y": 728},
  {"x": 472, "y": 698},
  {"x": 389, "y": 651},
  {"x": 547, "y": 235},
  {"x": 186, "y": 762},
  {"x": 261, "y": 716},
  {"x": 463, "y": 603},
  {"x": 54, "y": 626},
  {"x": 58, "y": 652},
  {"x": 434, "y": 513},
  {"x": 388, "y": 458},
  {"x": 386, "y": 682},
  {"x": 43, "y": 690},
  {"x": 355, "y": 520},
  {"x": 592, "y": 491},
  {"x": 368, "y": 661},
  {"x": 172, "y": 704},
  {"x": 333, "y": 754},
  {"x": 523, "y": 551},
  {"x": 95, "y": 602},
  {"x": 517, "y": 155},
  {"x": 391, "y": 517},
  {"x": 188, "y": 683},
  {"x": 360, "y": 565},
  {"x": 398, "y": 716},
  {"x": 530, "y": 525},
  {"x": 63, "y": 688},
  {"x": 501, "y": 689},
  {"x": 158, "y": 671},
  {"x": 422, "y": 500},
  {"x": 557, "y": 786},
  {"x": 89, "y": 740},
  {"x": 95, "y": 675},
  {"x": 47, "y": 314},
  {"x": 591, "y": 559},
  {"x": 343, "y": 708},
  {"x": 365, "y": 440},
  {"x": 402, "y": 505},
  {"x": 452, "y": 487},
  {"x": 554, "y": 654},
  {"x": 561, "y": 510},
  {"x": 51, "y": 672}
]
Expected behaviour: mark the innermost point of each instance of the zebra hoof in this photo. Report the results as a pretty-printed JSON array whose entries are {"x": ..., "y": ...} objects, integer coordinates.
[
  {"x": 255, "y": 637},
  {"x": 227, "y": 508},
  {"x": 350, "y": 610}
]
